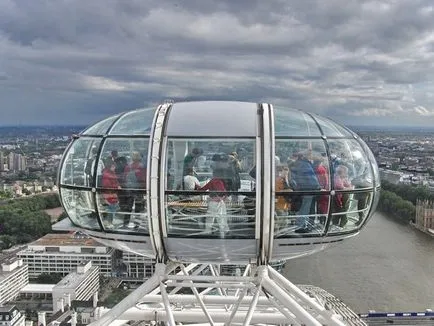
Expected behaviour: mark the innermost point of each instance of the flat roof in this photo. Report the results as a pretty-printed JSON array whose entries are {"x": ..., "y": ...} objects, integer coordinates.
[
  {"x": 6, "y": 308},
  {"x": 6, "y": 274},
  {"x": 38, "y": 288},
  {"x": 73, "y": 280},
  {"x": 74, "y": 238}
]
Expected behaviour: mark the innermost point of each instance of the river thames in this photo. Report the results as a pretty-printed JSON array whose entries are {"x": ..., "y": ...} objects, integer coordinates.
[{"x": 388, "y": 267}]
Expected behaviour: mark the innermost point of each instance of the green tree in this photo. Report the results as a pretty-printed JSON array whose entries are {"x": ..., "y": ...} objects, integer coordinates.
[
  {"x": 7, "y": 241},
  {"x": 396, "y": 206},
  {"x": 23, "y": 220},
  {"x": 5, "y": 194}
]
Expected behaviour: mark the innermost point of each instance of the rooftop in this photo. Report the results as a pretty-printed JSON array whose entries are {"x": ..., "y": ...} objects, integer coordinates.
[
  {"x": 5, "y": 273},
  {"x": 38, "y": 288},
  {"x": 6, "y": 308},
  {"x": 66, "y": 239},
  {"x": 74, "y": 279}
]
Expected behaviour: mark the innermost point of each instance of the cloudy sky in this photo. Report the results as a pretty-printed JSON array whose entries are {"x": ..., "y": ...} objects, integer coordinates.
[{"x": 358, "y": 62}]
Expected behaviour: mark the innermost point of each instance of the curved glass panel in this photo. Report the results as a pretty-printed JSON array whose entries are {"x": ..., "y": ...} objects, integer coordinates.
[
  {"x": 100, "y": 128},
  {"x": 375, "y": 201},
  {"x": 79, "y": 206},
  {"x": 79, "y": 164},
  {"x": 209, "y": 191},
  {"x": 234, "y": 119},
  {"x": 128, "y": 158},
  {"x": 349, "y": 210},
  {"x": 363, "y": 204},
  {"x": 300, "y": 165},
  {"x": 122, "y": 211},
  {"x": 348, "y": 154},
  {"x": 331, "y": 129},
  {"x": 373, "y": 162},
  {"x": 134, "y": 123},
  {"x": 288, "y": 122}
]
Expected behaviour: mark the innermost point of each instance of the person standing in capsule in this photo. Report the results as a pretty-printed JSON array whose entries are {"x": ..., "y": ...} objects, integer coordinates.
[
  {"x": 110, "y": 181},
  {"x": 216, "y": 203}
]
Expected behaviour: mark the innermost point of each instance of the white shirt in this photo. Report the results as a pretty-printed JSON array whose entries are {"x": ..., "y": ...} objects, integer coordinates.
[{"x": 190, "y": 182}]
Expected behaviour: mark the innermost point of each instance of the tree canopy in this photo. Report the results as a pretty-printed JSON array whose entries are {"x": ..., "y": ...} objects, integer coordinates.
[
  {"x": 399, "y": 200},
  {"x": 396, "y": 206},
  {"x": 23, "y": 220},
  {"x": 408, "y": 192}
]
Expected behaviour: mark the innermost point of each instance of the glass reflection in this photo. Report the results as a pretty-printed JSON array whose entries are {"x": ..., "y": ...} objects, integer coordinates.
[
  {"x": 301, "y": 166},
  {"x": 116, "y": 216},
  {"x": 134, "y": 123},
  {"x": 349, "y": 153},
  {"x": 101, "y": 128},
  {"x": 130, "y": 158},
  {"x": 372, "y": 161},
  {"x": 331, "y": 129},
  {"x": 79, "y": 206},
  {"x": 287, "y": 223},
  {"x": 224, "y": 219},
  {"x": 79, "y": 164},
  {"x": 364, "y": 200},
  {"x": 352, "y": 213},
  {"x": 288, "y": 122},
  {"x": 122, "y": 184},
  {"x": 210, "y": 192}
]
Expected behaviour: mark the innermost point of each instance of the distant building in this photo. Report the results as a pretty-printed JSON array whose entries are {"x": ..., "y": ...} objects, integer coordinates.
[
  {"x": 425, "y": 216},
  {"x": 16, "y": 162},
  {"x": 391, "y": 176},
  {"x": 2, "y": 162},
  {"x": 11, "y": 316},
  {"x": 13, "y": 277},
  {"x": 62, "y": 253}
]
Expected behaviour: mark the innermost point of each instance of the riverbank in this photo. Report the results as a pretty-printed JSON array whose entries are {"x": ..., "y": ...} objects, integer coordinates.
[{"x": 430, "y": 232}]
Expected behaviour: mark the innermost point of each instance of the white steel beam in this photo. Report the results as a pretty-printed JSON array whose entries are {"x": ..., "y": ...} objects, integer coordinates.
[
  {"x": 166, "y": 302},
  {"x": 284, "y": 283},
  {"x": 289, "y": 302},
  {"x": 207, "y": 299},
  {"x": 191, "y": 315},
  {"x": 128, "y": 302},
  {"x": 202, "y": 305},
  {"x": 266, "y": 298}
]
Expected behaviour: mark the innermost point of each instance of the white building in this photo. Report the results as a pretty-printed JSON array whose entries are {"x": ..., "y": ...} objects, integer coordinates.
[
  {"x": 62, "y": 253},
  {"x": 13, "y": 277},
  {"x": 11, "y": 316},
  {"x": 138, "y": 266},
  {"x": 81, "y": 285}
]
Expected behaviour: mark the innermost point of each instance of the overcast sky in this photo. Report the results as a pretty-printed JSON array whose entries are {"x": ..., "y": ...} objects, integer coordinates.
[{"x": 358, "y": 62}]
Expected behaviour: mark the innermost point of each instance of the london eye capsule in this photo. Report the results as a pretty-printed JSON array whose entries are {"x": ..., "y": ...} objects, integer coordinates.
[{"x": 218, "y": 182}]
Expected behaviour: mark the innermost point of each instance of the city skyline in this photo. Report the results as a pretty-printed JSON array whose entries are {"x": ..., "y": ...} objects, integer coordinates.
[{"x": 361, "y": 63}]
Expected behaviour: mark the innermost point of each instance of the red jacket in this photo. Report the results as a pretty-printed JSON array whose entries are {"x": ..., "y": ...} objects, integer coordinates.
[
  {"x": 215, "y": 184},
  {"x": 110, "y": 180},
  {"x": 323, "y": 179}
]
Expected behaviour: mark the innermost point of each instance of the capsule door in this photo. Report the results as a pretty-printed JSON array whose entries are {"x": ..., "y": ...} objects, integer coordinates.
[{"x": 207, "y": 185}]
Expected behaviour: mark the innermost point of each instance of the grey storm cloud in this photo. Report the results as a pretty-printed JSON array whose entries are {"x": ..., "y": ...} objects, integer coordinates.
[{"x": 358, "y": 62}]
